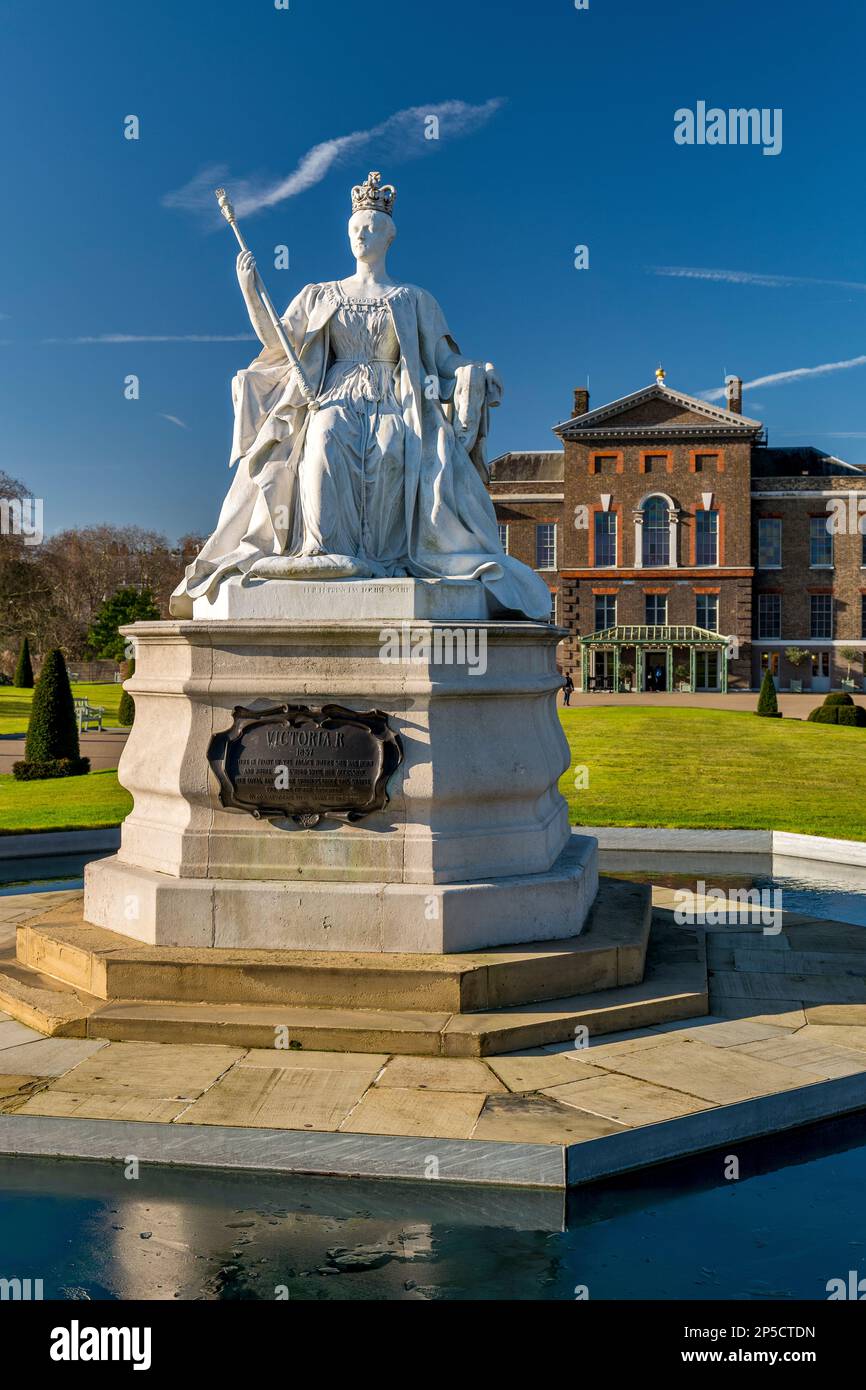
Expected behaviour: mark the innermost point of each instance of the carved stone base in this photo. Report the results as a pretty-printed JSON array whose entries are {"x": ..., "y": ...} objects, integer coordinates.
[
  {"x": 473, "y": 806},
  {"x": 346, "y": 917},
  {"x": 391, "y": 600}
]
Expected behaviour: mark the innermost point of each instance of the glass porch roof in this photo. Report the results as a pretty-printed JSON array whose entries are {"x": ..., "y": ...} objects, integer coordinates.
[{"x": 629, "y": 635}]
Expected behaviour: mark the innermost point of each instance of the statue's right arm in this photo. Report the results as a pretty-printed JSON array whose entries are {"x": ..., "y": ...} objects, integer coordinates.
[{"x": 259, "y": 318}]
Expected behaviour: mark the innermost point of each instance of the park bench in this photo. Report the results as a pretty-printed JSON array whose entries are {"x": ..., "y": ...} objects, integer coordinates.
[{"x": 88, "y": 715}]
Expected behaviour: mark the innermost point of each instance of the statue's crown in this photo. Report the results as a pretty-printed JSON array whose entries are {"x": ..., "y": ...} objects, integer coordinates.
[{"x": 374, "y": 195}]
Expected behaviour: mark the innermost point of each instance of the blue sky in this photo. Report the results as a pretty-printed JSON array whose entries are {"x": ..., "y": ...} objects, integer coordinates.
[{"x": 580, "y": 150}]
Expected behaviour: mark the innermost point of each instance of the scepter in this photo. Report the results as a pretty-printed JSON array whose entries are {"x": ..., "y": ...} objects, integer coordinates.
[{"x": 307, "y": 392}]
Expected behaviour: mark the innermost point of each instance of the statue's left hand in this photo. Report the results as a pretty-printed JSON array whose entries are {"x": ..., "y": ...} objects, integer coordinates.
[{"x": 494, "y": 384}]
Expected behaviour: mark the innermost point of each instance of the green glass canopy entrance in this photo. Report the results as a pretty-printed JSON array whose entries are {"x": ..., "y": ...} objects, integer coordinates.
[{"x": 634, "y": 648}]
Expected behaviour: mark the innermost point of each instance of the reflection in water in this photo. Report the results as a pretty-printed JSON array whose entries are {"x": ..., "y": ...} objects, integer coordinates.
[
  {"x": 44, "y": 873},
  {"x": 681, "y": 1231},
  {"x": 834, "y": 892}
]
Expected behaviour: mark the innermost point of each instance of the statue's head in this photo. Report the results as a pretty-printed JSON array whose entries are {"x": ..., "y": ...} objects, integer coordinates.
[
  {"x": 370, "y": 233},
  {"x": 371, "y": 226}
]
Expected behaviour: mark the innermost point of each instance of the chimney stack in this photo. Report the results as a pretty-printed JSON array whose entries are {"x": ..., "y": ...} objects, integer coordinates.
[
  {"x": 734, "y": 394},
  {"x": 581, "y": 400}
]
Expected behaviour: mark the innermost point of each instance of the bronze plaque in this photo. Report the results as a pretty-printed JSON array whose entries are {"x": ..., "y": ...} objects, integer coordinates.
[{"x": 286, "y": 761}]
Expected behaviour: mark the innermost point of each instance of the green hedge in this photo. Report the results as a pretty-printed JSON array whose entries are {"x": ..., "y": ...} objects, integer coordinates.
[
  {"x": 51, "y": 767},
  {"x": 839, "y": 709}
]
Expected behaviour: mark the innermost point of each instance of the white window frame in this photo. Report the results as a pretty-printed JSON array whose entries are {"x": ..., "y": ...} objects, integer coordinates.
[
  {"x": 552, "y": 525},
  {"x": 704, "y": 598},
  {"x": 605, "y": 599},
  {"x": 769, "y": 636},
  {"x": 821, "y": 564}
]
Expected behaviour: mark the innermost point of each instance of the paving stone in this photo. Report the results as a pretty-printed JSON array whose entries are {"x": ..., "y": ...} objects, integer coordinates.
[
  {"x": 12, "y": 1034},
  {"x": 441, "y": 1074},
  {"x": 368, "y": 1062},
  {"x": 287, "y": 1097},
  {"x": 531, "y": 1072},
  {"x": 825, "y": 1060},
  {"x": 835, "y": 1034},
  {"x": 734, "y": 1032},
  {"x": 720, "y": 1074},
  {"x": 539, "y": 1120},
  {"x": 431, "y": 1114},
  {"x": 50, "y": 1056},
  {"x": 156, "y": 1070},
  {"x": 17, "y": 907},
  {"x": 845, "y": 1015},
  {"x": 74, "y": 1106},
  {"x": 626, "y": 1039},
  {"x": 627, "y": 1100},
  {"x": 600, "y": 1051},
  {"x": 16, "y": 1090},
  {"x": 774, "y": 1011}
]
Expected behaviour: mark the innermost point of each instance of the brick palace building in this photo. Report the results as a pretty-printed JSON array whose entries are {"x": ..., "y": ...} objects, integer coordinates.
[{"x": 682, "y": 552}]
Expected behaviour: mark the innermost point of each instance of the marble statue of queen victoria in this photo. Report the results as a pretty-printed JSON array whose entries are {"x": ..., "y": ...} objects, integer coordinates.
[{"x": 370, "y": 461}]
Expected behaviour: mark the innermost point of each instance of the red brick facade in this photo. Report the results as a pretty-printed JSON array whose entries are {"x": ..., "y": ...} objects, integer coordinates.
[{"x": 655, "y": 461}]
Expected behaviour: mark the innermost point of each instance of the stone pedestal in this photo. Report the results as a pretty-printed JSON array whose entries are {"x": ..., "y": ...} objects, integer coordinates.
[{"x": 473, "y": 848}]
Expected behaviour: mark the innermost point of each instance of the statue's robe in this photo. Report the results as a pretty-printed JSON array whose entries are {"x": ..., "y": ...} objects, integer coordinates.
[{"x": 451, "y": 525}]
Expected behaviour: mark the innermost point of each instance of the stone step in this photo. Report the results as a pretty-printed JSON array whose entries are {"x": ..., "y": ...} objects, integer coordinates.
[
  {"x": 788, "y": 961},
  {"x": 802, "y": 963},
  {"x": 610, "y": 952},
  {"x": 42, "y": 1003},
  {"x": 670, "y": 992},
  {"x": 780, "y": 985}
]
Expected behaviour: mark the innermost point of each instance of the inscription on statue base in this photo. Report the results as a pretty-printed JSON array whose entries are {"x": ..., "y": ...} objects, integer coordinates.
[{"x": 292, "y": 761}]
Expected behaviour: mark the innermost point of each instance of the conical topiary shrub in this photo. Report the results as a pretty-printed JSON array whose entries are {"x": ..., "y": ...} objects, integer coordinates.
[
  {"x": 51, "y": 748},
  {"x": 126, "y": 709},
  {"x": 768, "y": 705},
  {"x": 23, "y": 677}
]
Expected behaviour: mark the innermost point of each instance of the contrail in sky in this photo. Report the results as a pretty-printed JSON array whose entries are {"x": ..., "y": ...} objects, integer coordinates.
[
  {"x": 402, "y": 136},
  {"x": 748, "y": 277},
  {"x": 794, "y": 374},
  {"x": 159, "y": 338}
]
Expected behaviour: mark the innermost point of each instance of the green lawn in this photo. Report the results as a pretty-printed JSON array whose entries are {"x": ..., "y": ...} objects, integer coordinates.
[
  {"x": 15, "y": 704},
  {"x": 714, "y": 769},
  {"x": 700, "y": 768},
  {"x": 62, "y": 803}
]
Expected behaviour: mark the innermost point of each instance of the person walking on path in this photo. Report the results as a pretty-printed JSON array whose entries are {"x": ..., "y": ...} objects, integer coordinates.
[{"x": 567, "y": 688}]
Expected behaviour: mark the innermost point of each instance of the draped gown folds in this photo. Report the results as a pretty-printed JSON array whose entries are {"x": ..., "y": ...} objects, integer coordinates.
[{"x": 381, "y": 472}]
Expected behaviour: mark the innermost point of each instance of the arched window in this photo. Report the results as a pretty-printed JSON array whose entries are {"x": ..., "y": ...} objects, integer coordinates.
[{"x": 656, "y": 532}]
